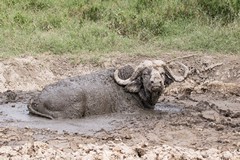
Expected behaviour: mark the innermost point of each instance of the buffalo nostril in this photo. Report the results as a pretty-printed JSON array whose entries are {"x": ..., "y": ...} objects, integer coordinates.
[{"x": 152, "y": 81}]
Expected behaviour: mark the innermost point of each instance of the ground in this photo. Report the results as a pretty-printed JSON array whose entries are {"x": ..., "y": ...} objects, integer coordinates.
[{"x": 196, "y": 119}]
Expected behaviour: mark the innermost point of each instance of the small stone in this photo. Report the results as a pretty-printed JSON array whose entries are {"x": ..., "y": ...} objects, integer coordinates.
[
  {"x": 211, "y": 115},
  {"x": 227, "y": 155},
  {"x": 223, "y": 141},
  {"x": 219, "y": 128},
  {"x": 212, "y": 124},
  {"x": 204, "y": 154},
  {"x": 128, "y": 136},
  {"x": 141, "y": 152},
  {"x": 5, "y": 150},
  {"x": 66, "y": 132},
  {"x": 236, "y": 115},
  {"x": 151, "y": 155},
  {"x": 229, "y": 119},
  {"x": 144, "y": 145},
  {"x": 238, "y": 99},
  {"x": 237, "y": 144},
  {"x": 116, "y": 149}
]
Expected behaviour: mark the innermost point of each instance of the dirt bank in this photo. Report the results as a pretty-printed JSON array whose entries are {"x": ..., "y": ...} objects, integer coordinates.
[{"x": 196, "y": 119}]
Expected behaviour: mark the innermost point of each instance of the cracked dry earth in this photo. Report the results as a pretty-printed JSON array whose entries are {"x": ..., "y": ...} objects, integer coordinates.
[{"x": 196, "y": 119}]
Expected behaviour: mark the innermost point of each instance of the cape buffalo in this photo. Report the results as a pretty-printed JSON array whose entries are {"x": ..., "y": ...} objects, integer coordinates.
[{"x": 107, "y": 91}]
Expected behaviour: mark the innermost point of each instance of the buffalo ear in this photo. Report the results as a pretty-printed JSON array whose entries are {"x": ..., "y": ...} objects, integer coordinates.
[
  {"x": 168, "y": 79},
  {"x": 125, "y": 72},
  {"x": 133, "y": 87}
]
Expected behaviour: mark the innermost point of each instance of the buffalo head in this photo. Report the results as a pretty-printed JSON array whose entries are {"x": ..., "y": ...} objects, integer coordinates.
[{"x": 149, "y": 80}]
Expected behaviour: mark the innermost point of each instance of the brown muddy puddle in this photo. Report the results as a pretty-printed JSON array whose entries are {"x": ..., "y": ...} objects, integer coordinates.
[{"x": 17, "y": 115}]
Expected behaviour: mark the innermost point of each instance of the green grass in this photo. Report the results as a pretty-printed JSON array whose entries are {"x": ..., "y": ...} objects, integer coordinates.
[{"x": 104, "y": 26}]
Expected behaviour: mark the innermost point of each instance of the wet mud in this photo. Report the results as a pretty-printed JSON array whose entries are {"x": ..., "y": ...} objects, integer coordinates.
[
  {"x": 18, "y": 116},
  {"x": 14, "y": 113},
  {"x": 196, "y": 119}
]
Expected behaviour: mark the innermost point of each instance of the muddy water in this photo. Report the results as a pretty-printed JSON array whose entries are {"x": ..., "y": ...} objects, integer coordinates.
[
  {"x": 168, "y": 108},
  {"x": 17, "y": 115}
]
